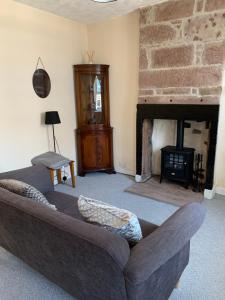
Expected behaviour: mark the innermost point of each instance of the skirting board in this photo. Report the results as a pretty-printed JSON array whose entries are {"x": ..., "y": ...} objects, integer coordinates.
[
  {"x": 220, "y": 190},
  {"x": 123, "y": 171},
  {"x": 209, "y": 194}
]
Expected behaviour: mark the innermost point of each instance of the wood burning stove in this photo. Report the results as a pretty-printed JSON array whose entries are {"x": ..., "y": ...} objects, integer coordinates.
[{"x": 177, "y": 161}]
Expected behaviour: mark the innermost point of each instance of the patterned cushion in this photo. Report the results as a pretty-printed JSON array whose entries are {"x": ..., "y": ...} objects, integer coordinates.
[
  {"x": 116, "y": 220},
  {"x": 26, "y": 190}
]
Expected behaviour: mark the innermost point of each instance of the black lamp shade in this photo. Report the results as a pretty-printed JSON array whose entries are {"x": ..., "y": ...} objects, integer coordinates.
[{"x": 52, "y": 117}]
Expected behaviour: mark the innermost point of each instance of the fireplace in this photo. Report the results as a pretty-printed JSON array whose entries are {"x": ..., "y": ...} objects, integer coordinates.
[{"x": 180, "y": 113}]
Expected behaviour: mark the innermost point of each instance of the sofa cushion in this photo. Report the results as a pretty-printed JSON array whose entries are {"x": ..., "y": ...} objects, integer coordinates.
[
  {"x": 119, "y": 221},
  {"x": 23, "y": 189}
]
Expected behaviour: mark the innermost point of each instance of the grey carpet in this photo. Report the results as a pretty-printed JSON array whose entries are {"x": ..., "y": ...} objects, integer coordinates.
[
  {"x": 167, "y": 191},
  {"x": 203, "y": 279}
]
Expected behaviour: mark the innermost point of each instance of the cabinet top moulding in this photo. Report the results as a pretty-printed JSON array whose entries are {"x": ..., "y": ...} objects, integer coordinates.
[{"x": 90, "y": 68}]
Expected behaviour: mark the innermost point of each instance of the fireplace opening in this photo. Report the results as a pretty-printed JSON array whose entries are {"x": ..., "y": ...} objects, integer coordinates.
[{"x": 192, "y": 138}]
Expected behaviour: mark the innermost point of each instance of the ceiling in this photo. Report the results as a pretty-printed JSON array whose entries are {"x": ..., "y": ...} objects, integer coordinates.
[{"x": 87, "y": 11}]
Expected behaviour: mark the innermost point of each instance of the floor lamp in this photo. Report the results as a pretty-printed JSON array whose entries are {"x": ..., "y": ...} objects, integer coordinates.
[{"x": 52, "y": 118}]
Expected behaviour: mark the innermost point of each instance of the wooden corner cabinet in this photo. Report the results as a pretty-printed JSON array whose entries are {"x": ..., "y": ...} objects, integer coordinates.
[{"x": 94, "y": 135}]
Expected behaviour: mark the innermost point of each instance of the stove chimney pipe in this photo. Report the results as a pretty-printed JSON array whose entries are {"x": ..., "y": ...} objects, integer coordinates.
[{"x": 180, "y": 135}]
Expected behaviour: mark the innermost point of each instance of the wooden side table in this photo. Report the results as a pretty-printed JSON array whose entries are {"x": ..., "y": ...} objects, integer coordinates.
[
  {"x": 59, "y": 174},
  {"x": 54, "y": 162}
]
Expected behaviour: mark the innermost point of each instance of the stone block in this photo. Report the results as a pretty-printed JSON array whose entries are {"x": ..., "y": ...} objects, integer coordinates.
[
  {"x": 214, "y": 5},
  {"x": 143, "y": 59},
  {"x": 199, "y": 5},
  {"x": 146, "y": 92},
  {"x": 176, "y": 91},
  {"x": 194, "y": 91},
  {"x": 173, "y": 57},
  {"x": 183, "y": 77},
  {"x": 146, "y": 16},
  {"x": 179, "y": 100},
  {"x": 211, "y": 91},
  {"x": 155, "y": 34},
  {"x": 173, "y": 10},
  {"x": 205, "y": 28},
  {"x": 214, "y": 53}
]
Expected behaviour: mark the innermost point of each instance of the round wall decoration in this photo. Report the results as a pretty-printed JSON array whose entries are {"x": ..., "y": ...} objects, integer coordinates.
[{"x": 41, "y": 81}]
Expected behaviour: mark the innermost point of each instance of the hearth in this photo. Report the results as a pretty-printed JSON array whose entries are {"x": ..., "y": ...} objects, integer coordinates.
[{"x": 177, "y": 162}]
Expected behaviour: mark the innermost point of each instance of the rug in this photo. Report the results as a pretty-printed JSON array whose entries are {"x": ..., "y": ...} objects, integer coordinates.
[{"x": 167, "y": 191}]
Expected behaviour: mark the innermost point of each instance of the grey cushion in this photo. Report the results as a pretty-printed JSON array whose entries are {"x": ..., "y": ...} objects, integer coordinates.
[
  {"x": 26, "y": 190},
  {"x": 51, "y": 160},
  {"x": 114, "y": 219}
]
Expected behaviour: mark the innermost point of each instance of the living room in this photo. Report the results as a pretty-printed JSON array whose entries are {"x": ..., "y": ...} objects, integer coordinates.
[{"x": 165, "y": 63}]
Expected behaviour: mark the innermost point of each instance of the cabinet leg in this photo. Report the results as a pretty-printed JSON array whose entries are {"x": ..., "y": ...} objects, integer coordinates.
[
  {"x": 72, "y": 173},
  {"x": 82, "y": 174},
  {"x": 112, "y": 171}
]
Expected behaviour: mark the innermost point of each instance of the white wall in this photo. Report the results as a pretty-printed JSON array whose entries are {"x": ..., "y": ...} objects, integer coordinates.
[
  {"x": 25, "y": 34},
  {"x": 116, "y": 42}
]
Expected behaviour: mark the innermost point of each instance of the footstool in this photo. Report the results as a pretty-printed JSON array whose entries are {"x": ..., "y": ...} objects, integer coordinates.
[{"x": 54, "y": 162}]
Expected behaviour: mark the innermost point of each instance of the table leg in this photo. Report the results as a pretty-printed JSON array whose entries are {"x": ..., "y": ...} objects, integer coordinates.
[
  {"x": 72, "y": 173},
  {"x": 59, "y": 176},
  {"x": 177, "y": 285},
  {"x": 52, "y": 175}
]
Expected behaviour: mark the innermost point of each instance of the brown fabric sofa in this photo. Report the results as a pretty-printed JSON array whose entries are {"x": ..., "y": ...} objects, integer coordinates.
[{"x": 88, "y": 261}]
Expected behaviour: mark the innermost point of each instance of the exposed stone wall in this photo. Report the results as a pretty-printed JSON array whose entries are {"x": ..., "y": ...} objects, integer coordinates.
[{"x": 182, "y": 52}]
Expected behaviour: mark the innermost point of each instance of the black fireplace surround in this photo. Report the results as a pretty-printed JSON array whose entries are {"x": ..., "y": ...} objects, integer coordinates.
[{"x": 178, "y": 112}]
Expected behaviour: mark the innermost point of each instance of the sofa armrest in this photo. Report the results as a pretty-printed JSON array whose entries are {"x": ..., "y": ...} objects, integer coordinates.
[
  {"x": 164, "y": 243},
  {"x": 37, "y": 176}
]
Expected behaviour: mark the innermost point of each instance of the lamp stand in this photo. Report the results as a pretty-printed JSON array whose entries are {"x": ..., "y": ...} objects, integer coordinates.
[{"x": 53, "y": 132}]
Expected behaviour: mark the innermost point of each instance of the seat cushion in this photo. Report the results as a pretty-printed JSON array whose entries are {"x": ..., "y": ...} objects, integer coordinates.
[
  {"x": 65, "y": 203},
  {"x": 51, "y": 160},
  {"x": 68, "y": 205},
  {"x": 147, "y": 227}
]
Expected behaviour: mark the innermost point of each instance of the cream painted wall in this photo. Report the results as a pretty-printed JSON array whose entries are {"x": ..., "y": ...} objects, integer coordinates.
[
  {"x": 25, "y": 34},
  {"x": 220, "y": 153},
  {"x": 116, "y": 42}
]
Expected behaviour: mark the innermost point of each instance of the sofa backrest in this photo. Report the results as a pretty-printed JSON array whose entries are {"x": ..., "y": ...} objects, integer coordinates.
[
  {"x": 84, "y": 259},
  {"x": 37, "y": 176}
]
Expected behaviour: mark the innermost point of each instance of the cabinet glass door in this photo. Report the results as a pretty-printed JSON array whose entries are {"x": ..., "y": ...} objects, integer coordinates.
[{"x": 92, "y": 99}]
